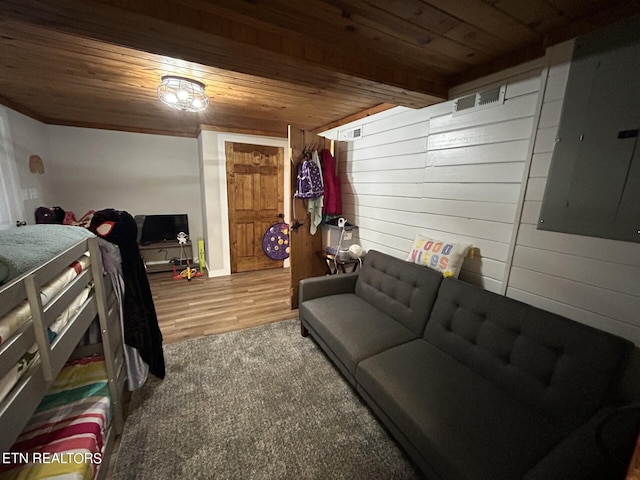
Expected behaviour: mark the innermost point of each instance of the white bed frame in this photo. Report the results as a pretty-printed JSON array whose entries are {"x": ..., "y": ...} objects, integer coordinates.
[{"x": 18, "y": 407}]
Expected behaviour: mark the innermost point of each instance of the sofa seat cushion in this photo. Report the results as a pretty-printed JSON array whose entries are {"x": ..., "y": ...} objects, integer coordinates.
[
  {"x": 351, "y": 328},
  {"x": 464, "y": 427}
]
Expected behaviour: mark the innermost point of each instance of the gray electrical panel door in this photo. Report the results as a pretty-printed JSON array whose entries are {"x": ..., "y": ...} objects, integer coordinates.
[{"x": 593, "y": 186}]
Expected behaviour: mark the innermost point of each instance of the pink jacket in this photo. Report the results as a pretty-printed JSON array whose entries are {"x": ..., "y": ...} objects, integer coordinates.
[{"x": 332, "y": 204}]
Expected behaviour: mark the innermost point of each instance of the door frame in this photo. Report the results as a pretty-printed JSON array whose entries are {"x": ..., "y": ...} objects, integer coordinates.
[{"x": 213, "y": 164}]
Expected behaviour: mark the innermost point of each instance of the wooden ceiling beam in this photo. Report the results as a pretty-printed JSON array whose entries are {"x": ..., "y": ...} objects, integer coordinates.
[
  {"x": 352, "y": 118},
  {"x": 267, "y": 63},
  {"x": 246, "y": 131},
  {"x": 165, "y": 27},
  {"x": 18, "y": 107},
  {"x": 192, "y": 133}
]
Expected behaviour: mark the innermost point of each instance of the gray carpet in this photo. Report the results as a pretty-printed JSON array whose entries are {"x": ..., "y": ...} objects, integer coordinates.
[{"x": 262, "y": 403}]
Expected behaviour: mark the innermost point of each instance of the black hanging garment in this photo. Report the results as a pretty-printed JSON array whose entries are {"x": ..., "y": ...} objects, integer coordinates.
[{"x": 141, "y": 330}]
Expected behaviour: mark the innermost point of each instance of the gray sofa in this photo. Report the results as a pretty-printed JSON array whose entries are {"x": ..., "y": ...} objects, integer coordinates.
[{"x": 473, "y": 385}]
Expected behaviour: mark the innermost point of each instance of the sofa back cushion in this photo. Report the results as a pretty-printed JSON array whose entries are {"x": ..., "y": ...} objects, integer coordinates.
[
  {"x": 404, "y": 291},
  {"x": 558, "y": 367}
]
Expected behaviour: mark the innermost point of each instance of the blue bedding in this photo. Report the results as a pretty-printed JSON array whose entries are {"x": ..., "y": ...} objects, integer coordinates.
[{"x": 24, "y": 248}]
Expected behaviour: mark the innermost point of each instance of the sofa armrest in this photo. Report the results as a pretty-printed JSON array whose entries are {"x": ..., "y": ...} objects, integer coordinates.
[
  {"x": 581, "y": 455},
  {"x": 316, "y": 287}
]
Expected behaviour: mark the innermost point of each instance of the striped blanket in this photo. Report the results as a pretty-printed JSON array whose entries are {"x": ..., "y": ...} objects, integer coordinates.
[{"x": 64, "y": 438}]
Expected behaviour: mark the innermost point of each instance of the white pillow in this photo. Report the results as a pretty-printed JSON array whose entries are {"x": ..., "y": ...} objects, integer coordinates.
[{"x": 440, "y": 255}]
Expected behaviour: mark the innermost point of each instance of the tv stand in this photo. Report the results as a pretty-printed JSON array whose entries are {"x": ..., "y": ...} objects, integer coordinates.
[{"x": 157, "y": 255}]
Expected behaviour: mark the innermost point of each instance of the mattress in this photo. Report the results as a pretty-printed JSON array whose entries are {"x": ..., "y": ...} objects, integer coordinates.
[
  {"x": 24, "y": 248},
  {"x": 66, "y": 436}
]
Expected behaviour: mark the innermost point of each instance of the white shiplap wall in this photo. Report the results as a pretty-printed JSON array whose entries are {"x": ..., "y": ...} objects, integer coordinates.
[
  {"x": 592, "y": 280},
  {"x": 480, "y": 178},
  {"x": 450, "y": 176}
]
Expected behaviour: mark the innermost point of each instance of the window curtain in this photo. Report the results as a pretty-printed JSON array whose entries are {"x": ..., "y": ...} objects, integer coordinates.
[{"x": 11, "y": 205}]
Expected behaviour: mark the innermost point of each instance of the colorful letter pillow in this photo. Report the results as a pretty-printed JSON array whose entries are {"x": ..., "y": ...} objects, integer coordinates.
[{"x": 445, "y": 257}]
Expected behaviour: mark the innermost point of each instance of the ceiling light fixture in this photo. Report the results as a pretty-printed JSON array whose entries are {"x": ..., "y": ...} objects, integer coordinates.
[{"x": 183, "y": 93}]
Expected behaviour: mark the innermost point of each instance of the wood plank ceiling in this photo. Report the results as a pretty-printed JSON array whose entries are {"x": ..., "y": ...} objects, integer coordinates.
[{"x": 266, "y": 63}]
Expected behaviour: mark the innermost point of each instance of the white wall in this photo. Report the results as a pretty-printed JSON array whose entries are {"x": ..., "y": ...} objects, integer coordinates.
[
  {"x": 480, "y": 178},
  {"x": 593, "y": 280},
  {"x": 453, "y": 177},
  {"x": 28, "y": 137},
  {"x": 214, "y": 197},
  {"x": 92, "y": 169}
]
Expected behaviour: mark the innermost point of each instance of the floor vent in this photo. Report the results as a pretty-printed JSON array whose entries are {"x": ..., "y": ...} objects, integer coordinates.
[{"x": 487, "y": 98}]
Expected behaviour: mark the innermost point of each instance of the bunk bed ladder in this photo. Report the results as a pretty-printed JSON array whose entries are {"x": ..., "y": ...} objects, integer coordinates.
[
  {"x": 40, "y": 330},
  {"x": 109, "y": 350}
]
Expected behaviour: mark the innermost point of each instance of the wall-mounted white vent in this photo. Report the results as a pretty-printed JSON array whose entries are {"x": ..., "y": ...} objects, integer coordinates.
[
  {"x": 351, "y": 134},
  {"x": 492, "y": 97}
]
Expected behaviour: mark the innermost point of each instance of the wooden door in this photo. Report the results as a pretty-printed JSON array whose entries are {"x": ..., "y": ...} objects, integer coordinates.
[{"x": 255, "y": 193}]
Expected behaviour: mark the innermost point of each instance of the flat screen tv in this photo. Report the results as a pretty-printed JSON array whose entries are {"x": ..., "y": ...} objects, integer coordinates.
[{"x": 161, "y": 228}]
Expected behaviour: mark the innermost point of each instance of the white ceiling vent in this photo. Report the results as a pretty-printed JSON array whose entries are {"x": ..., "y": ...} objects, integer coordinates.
[
  {"x": 492, "y": 97},
  {"x": 351, "y": 134}
]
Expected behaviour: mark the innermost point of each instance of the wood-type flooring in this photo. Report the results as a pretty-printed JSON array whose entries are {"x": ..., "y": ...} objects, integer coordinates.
[{"x": 204, "y": 306}]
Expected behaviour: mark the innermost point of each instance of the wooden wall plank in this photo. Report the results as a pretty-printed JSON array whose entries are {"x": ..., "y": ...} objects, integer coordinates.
[
  {"x": 408, "y": 204},
  {"x": 460, "y": 225},
  {"x": 523, "y": 83},
  {"x": 498, "y": 132},
  {"x": 540, "y": 164},
  {"x": 531, "y": 212},
  {"x": 383, "y": 189},
  {"x": 304, "y": 260},
  {"x": 496, "y": 212},
  {"x": 605, "y": 302},
  {"x": 409, "y": 161},
  {"x": 603, "y": 322},
  {"x": 550, "y": 114},
  {"x": 398, "y": 133},
  {"x": 483, "y": 173},
  {"x": 459, "y": 182},
  {"x": 556, "y": 85},
  {"x": 535, "y": 189},
  {"x": 389, "y": 149},
  {"x": 481, "y": 192},
  {"x": 518, "y": 107},
  {"x": 391, "y": 176},
  {"x": 590, "y": 271},
  {"x": 614, "y": 251},
  {"x": 513, "y": 151}
]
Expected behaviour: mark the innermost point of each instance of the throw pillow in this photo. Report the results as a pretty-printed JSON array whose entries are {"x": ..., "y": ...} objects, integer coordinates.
[{"x": 440, "y": 255}]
